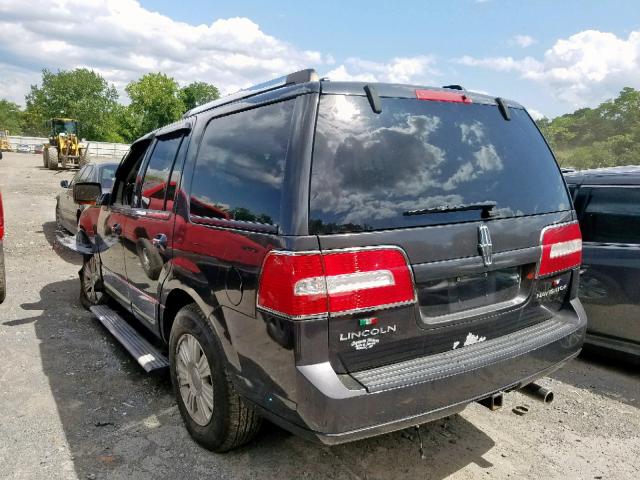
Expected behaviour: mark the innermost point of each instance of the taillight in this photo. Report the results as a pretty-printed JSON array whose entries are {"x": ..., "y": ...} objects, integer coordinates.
[
  {"x": 561, "y": 248},
  {"x": 302, "y": 285},
  {"x": 440, "y": 96}
]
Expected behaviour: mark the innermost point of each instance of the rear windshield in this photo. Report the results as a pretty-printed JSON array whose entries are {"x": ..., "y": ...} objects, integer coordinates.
[{"x": 369, "y": 170}]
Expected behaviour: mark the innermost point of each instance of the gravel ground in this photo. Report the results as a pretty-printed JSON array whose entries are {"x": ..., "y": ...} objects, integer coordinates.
[{"x": 76, "y": 406}]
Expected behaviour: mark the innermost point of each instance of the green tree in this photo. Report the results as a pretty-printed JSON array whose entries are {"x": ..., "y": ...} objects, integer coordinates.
[
  {"x": 81, "y": 94},
  {"x": 604, "y": 136},
  {"x": 10, "y": 117},
  {"x": 198, "y": 93},
  {"x": 154, "y": 102}
]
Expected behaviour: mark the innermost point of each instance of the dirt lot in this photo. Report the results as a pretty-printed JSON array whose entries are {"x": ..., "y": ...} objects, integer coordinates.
[{"x": 76, "y": 406}]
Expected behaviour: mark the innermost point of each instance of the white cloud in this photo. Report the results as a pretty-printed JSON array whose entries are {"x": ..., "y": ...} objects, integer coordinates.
[
  {"x": 397, "y": 70},
  {"x": 536, "y": 114},
  {"x": 584, "y": 69},
  {"x": 122, "y": 40},
  {"x": 523, "y": 41}
]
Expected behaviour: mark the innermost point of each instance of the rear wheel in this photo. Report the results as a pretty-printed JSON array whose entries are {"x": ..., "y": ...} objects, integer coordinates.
[
  {"x": 213, "y": 412},
  {"x": 45, "y": 161},
  {"x": 3, "y": 281},
  {"x": 91, "y": 293}
]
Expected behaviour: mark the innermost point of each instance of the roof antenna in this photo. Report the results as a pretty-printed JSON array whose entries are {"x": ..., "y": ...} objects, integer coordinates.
[
  {"x": 374, "y": 98},
  {"x": 504, "y": 108}
]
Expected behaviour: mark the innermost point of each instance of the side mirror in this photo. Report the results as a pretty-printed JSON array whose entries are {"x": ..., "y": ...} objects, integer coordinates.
[
  {"x": 86, "y": 193},
  {"x": 64, "y": 183}
]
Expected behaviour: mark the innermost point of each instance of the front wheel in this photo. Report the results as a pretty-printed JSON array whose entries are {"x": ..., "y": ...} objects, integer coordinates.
[
  {"x": 91, "y": 293},
  {"x": 214, "y": 414}
]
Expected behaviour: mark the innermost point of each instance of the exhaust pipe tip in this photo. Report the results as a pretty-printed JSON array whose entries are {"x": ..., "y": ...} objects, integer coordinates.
[{"x": 538, "y": 392}]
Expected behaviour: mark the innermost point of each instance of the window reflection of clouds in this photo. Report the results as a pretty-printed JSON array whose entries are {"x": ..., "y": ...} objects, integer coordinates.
[
  {"x": 248, "y": 159},
  {"x": 419, "y": 155},
  {"x": 240, "y": 166},
  {"x": 361, "y": 159}
]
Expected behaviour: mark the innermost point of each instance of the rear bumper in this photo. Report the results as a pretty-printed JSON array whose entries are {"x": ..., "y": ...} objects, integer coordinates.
[{"x": 335, "y": 408}]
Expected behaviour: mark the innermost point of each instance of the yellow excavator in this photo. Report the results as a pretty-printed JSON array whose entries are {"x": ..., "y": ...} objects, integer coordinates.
[
  {"x": 64, "y": 149},
  {"x": 5, "y": 146}
]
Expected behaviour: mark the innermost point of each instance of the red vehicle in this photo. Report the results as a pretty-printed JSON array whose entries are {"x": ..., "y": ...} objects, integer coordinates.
[{"x": 3, "y": 283}]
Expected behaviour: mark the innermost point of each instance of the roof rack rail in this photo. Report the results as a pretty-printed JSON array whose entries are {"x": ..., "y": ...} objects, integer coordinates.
[
  {"x": 454, "y": 87},
  {"x": 301, "y": 76}
]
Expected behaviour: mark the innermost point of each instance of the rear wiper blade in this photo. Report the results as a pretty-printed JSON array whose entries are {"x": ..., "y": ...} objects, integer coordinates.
[{"x": 484, "y": 207}]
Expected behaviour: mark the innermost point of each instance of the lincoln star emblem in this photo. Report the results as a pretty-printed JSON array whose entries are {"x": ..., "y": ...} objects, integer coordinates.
[{"x": 484, "y": 245}]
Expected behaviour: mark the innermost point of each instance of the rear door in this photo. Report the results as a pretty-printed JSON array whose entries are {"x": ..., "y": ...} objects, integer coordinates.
[
  {"x": 441, "y": 180},
  {"x": 148, "y": 233},
  {"x": 610, "y": 221}
]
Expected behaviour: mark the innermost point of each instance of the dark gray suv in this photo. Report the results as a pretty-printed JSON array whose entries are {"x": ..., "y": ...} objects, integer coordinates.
[
  {"x": 608, "y": 204},
  {"x": 344, "y": 259}
]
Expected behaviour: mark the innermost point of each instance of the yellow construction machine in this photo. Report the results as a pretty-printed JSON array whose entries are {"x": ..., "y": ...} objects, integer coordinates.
[
  {"x": 64, "y": 149},
  {"x": 5, "y": 146}
]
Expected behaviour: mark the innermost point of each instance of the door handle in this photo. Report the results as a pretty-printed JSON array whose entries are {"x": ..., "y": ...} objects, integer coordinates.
[
  {"x": 160, "y": 241},
  {"x": 117, "y": 229}
]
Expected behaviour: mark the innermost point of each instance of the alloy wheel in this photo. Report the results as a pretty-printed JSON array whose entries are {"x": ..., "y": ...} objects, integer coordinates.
[
  {"x": 90, "y": 279},
  {"x": 194, "y": 379}
]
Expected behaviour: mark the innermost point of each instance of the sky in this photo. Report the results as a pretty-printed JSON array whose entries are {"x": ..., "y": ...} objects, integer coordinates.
[{"x": 551, "y": 56}]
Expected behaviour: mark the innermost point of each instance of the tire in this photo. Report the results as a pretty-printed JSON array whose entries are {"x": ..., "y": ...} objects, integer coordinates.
[
  {"x": 229, "y": 422},
  {"x": 45, "y": 161},
  {"x": 59, "y": 226},
  {"x": 150, "y": 259},
  {"x": 52, "y": 158},
  {"x": 91, "y": 293},
  {"x": 3, "y": 279}
]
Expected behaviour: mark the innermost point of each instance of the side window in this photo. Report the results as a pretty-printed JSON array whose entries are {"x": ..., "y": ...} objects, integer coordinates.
[
  {"x": 107, "y": 176},
  {"x": 612, "y": 215},
  {"x": 87, "y": 175},
  {"x": 240, "y": 165},
  {"x": 126, "y": 179},
  {"x": 176, "y": 176},
  {"x": 156, "y": 177},
  {"x": 78, "y": 176}
]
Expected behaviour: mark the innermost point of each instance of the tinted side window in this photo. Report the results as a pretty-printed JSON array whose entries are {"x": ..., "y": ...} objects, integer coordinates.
[
  {"x": 156, "y": 177},
  {"x": 176, "y": 176},
  {"x": 126, "y": 179},
  {"x": 78, "y": 176},
  {"x": 612, "y": 215},
  {"x": 107, "y": 175},
  {"x": 241, "y": 163},
  {"x": 87, "y": 175}
]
